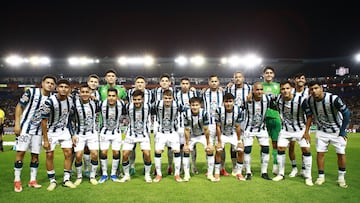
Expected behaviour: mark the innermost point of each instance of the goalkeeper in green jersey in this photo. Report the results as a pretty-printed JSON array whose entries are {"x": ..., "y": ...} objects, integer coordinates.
[
  {"x": 110, "y": 77},
  {"x": 272, "y": 121}
]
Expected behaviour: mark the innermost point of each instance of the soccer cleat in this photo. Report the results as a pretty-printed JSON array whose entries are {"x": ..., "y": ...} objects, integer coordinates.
[
  {"x": 69, "y": 184},
  {"x": 178, "y": 179},
  {"x": 342, "y": 183},
  {"x": 211, "y": 178},
  {"x": 157, "y": 179},
  {"x": 265, "y": 176},
  {"x": 17, "y": 186},
  {"x": 78, "y": 181},
  {"x": 194, "y": 170},
  {"x": 223, "y": 172},
  {"x": 293, "y": 173},
  {"x": 93, "y": 181},
  {"x": 308, "y": 182},
  {"x": 320, "y": 181},
  {"x": 103, "y": 179},
  {"x": 248, "y": 176},
  {"x": 275, "y": 169},
  {"x": 187, "y": 178},
  {"x": 169, "y": 170},
  {"x": 302, "y": 173},
  {"x": 216, "y": 178},
  {"x": 234, "y": 172},
  {"x": 51, "y": 186},
  {"x": 114, "y": 178},
  {"x": 240, "y": 177},
  {"x": 123, "y": 179},
  {"x": 278, "y": 178},
  {"x": 34, "y": 184},
  {"x": 132, "y": 171},
  {"x": 148, "y": 179}
]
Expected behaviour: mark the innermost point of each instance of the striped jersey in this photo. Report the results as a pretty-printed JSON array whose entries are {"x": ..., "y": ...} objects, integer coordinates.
[
  {"x": 57, "y": 112},
  {"x": 158, "y": 93},
  {"x": 85, "y": 116},
  {"x": 111, "y": 116},
  {"x": 138, "y": 119},
  {"x": 166, "y": 117},
  {"x": 255, "y": 114},
  {"x": 196, "y": 122},
  {"x": 240, "y": 94},
  {"x": 184, "y": 100},
  {"x": 31, "y": 116},
  {"x": 304, "y": 93},
  {"x": 228, "y": 120},
  {"x": 148, "y": 96},
  {"x": 212, "y": 101},
  {"x": 326, "y": 113},
  {"x": 292, "y": 113}
]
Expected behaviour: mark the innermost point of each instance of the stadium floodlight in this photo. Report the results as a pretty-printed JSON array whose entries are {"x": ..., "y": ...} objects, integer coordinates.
[
  {"x": 235, "y": 61},
  {"x": 223, "y": 60},
  {"x": 251, "y": 60},
  {"x": 15, "y": 60},
  {"x": 39, "y": 61},
  {"x": 357, "y": 57},
  {"x": 81, "y": 61},
  {"x": 197, "y": 60},
  {"x": 181, "y": 60},
  {"x": 146, "y": 60}
]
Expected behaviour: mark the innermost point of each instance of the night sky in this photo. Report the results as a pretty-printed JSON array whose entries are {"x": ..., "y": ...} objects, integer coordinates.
[{"x": 168, "y": 28}]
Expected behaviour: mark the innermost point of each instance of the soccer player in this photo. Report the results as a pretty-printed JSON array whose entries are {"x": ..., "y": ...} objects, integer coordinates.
[
  {"x": 240, "y": 89},
  {"x": 273, "y": 123},
  {"x": 84, "y": 114},
  {"x": 300, "y": 89},
  {"x": 140, "y": 84},
  {"x": 28, "y": 129},
  {"x": 110, "y": 77},
  {"x": 138, "y": 132},
  {"x": 166, "y": 111},
  {"x": 331, "y": 116},
  {"x": 213, "y": 99},
  {"x": 93, "y": 83},
  {"x": 2, "y": 119},
  {"x": 110, "y": 133},
  {"x": 55, "y": 126},
  {"x": 254, "y": 127},
  {"x": 183, "y": 98},
  {"x": 228, "y": 119},
  {"x": 196, "y": 122},
  {"x": 292, "y": 112},
  {"x": 165, "y": 82}
]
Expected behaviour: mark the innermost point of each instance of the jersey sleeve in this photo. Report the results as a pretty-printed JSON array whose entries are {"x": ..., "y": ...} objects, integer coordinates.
[
  {"x": 25, "y": 98},
  {"x": 46, "y": 108}
]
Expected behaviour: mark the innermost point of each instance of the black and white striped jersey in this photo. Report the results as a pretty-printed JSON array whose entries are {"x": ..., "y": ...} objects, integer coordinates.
[
  {"x": 184, "y": 100},
  {"x": 292, "y": 113},
  {"x": 148, "y": 96},
  {"x": 212, "y": 101},
  {"x": 240, "y": 94},
  {"x": 228, "y": 120},
  {"x": 196, "y": 122},
  {"x": 166, "y": 117},
  {"x": 85, "y": 116},
  {"x": 138, "y": 120},
  {"x": 111, "y": 116},
  {"x": 255, "y": 114}
]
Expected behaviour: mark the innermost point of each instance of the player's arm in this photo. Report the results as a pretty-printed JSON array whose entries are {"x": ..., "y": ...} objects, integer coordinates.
[
  {"x": 187, "y": 139},
  {"x": 240, "y": 145},
  {"x": 18, "y": 112},
  {"x": 44, "y": 130},
  {"x": 218, "y": 136},
  {"x": 306, "y": 108},
  {"x": 345, "y": 112}
]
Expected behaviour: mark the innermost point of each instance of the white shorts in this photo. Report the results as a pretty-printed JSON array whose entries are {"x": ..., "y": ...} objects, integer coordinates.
[
  {"x": 90, "y": 139},
  {"x": 169, "y": 139},
  {"x": 181, "y": 135},
  {"x": 212, "y": 130},
  {"x": 323, "y": 140},
  {"x": 62, "y": 137},
  {"x": 285, "y": 137},
  {"x": 262, "y": 137},
  {"x": 130, "y": 142},
  {"x": 29, "y": 142},
  {"x": 231, "y": 139},
  {"x": 107, "y": 139},
  {"x": 198, "y": 139}
]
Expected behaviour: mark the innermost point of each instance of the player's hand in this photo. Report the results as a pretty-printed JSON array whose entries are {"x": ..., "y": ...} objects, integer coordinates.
[
  {"x": 230, "y": 84},
  {"x": 219, "y": 146},
  {"x": 306, "y": 136},
  {"x": 240, "y": 146},
  {"x": 46, "y": 145},
  {"x": 249, "y": 97},
  {"x": 74, "y": 140},
  {"x": 17, "y": 130},
  {"x": 193, "y": 89},
  {"x": 344, "y": 137},
  {"x": 209, "y": 148}
]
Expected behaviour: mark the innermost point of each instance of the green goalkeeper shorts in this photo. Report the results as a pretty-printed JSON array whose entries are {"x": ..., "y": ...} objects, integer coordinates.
[{"x": 273, "y": 126}]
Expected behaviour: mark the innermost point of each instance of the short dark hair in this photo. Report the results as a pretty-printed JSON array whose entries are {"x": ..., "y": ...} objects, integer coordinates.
[
  {"x": 314, "y": 82},
  {"x": 167, "y": 93},
  {"x": 184, "y": 78},
  {"x": 111, "y": 89},
  {"x": 94, "y": 76},
  {"x": 228, "y": 96},
  {"x": 111, "y": 71},
  {"x": 140, "y": 77},
  {"x": 298, "y": 75},
  {"x": 268, "y": 68},
  {"x": 63, "y": 81},
  {"x": 286, "y": 82},
  {"x": 213, "y": 76},
  {"x": 84, "y": 85},
  {"x": 48, "y": 76},
  {"x": 138, "y": 93},
  {"x": 165, "y": 75},
  {"x": 195, "y": 99}
]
